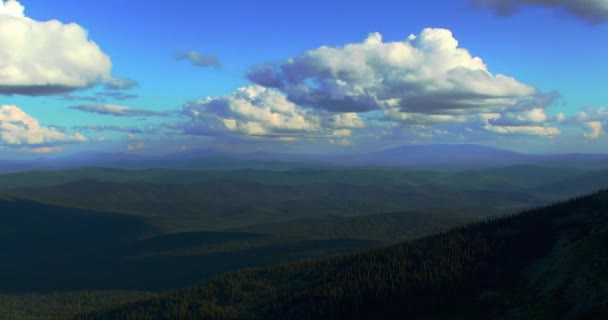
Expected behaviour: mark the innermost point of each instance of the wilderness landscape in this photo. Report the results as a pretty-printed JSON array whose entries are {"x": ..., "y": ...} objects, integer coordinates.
[
  {"x": 303, "y": 160},
  {"x": 87, "y": 239}
]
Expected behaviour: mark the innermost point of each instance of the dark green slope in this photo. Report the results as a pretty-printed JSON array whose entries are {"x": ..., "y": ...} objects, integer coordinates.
[
  {"x": 47, "y": 248},
  {"x": 548, "y": 263},
  {"x": 388, "y": 227},
  {"x": 224, "y": 204}
]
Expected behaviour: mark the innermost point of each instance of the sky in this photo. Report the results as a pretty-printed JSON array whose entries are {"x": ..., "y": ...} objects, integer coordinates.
[{"x": 303, "y": 77}]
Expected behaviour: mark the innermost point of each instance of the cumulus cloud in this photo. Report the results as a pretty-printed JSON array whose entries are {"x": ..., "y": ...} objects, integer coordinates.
[
  {"x": 590, "y": 114},
  {"x": 592, "y": 119},
  {"x": 428, "y": 74},
  {"x": 46, "y": 57},
  {"x": 115, "y": 110},
  {"x": 346, "y": 120},
  {"x": 198, "y": 59},
  {"x": 259, "y": 112},
  {"x": 524, "y": 123},
  {"x": 17, "y": 128},
  {"x": 596, "y": 129},
  {"x": 595, "y": 11},
  {"x": 424, "y": 80}
]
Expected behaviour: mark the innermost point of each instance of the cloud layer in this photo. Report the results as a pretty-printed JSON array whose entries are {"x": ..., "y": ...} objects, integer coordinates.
[
  {"x": 426, "y": 79},
  {"x": 594, "y": 11},
  {"x": 17, "y": 128},
  {"x": 41, "y": 58},
  {"x": 115, "y": 110}
]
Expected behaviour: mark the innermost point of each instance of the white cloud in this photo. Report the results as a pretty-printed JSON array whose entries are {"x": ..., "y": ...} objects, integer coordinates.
[
  {"x": 526, "y": 130},
  {"x": 590, "y": 120},
  {"x": 347, "y": 120},
  {"x": 11, "y": 8},
  {"x": 595, "y": 11},
  {"x": 427, "y": 74},
  {"x": 595, "y": 130},
  {"x": 536, "y": 115},
  {"x": 526, "y": 123},
  {"x": 589, "y": 114},
  {"x": 46, "y": 57},
  {"x": 427, "y": 79},
  {"x": 17, "y": 128},
  {"x": 260, "y": 112}
]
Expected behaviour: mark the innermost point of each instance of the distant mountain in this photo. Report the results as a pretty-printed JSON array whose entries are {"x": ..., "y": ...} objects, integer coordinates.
[
  {"x": 431, "y": 156},
  {"x": 450, "y": 155}
]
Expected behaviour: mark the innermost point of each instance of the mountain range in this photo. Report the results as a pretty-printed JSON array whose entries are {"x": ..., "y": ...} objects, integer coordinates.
[{"x": 432, "y": 156}]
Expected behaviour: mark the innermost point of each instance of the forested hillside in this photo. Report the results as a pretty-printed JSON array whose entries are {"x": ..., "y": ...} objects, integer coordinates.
[{"x": 545, "y": 263}]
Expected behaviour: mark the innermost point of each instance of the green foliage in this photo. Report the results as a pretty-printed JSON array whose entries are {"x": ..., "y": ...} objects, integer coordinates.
[{"x": 60, "y": 306}]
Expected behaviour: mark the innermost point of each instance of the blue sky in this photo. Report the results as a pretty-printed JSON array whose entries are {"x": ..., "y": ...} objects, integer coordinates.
[{"x": 336, "y": 94}]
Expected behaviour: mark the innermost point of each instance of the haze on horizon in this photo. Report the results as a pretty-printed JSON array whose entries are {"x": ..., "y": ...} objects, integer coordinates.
[{"x": 337, "y": 77}]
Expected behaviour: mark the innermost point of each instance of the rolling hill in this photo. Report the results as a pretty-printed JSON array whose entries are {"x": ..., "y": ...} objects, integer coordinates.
[{"x": 546, "y": 263}]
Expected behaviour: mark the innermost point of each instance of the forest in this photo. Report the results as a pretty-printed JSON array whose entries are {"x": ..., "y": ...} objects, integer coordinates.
[{"x": 543, "y": 263}]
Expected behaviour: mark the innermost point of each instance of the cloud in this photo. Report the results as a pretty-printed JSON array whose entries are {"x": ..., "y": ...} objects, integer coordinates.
[
  {"x": 424, "y": 80},
  {"x": 199, "y": 59},
  {"x": 117, "y": 95},
  {"x": 262, "y": 113},
  {"x": 101, "y": 96},
  {"x": 131, "y": 130},
  {"x": 426, "y": 74},
  {"x": 525, "y": 130},
  {"x": 136, "y": 145},
  {"x": 17, "y": 128},
  {"x": 592, "y": 119},
  {"x": 11, "y": 8},
  {"x": 115, "y": 83},
  {"x": 45, "y": 58},
  {"x": 115, "y": 110},
  {"x": 594, "y": 11},
  {"x": 341, "y": 142},
  {"x": 596, "y": 129},
  {"x": 40, "y": 150},
  {"x": 346, "y": 120},
  {"x": 590, "y": 114},
  {"x": 523, "y": 123}
]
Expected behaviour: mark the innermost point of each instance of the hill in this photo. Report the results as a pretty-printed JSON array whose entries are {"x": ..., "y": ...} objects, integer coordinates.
[
  {"x": 190, "y": 200},
  {"x": 547, "y": 263}
]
